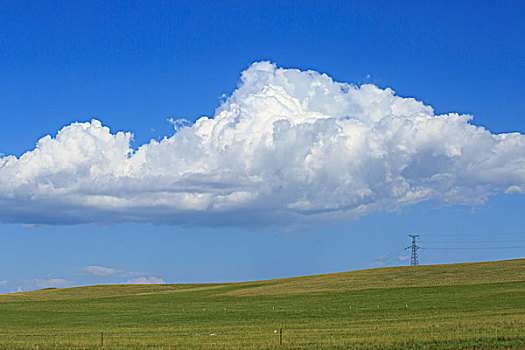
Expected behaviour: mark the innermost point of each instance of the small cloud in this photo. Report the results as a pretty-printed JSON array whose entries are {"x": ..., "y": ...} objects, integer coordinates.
[
  {"x": 3, "y": 283},
  {"x": 101, "y": 270},
  {"x": 515, "y": 189},
  {"x": 379, "y": 262},
  {"x": 403, "y": 257},
  {"x": 146, "y": 280},
  {"x": 29, "y": 225},
  {"x": 178, "y": 123},
  {"x": 53, "y": 282},
  {"x": 113, "y": 275}
]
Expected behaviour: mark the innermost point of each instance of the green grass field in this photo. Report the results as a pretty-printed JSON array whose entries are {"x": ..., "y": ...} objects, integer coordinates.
[{"x": 479, "y": 305}]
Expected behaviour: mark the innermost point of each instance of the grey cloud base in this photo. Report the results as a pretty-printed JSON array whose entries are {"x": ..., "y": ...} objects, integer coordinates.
[{"x": 287, "y": 147}]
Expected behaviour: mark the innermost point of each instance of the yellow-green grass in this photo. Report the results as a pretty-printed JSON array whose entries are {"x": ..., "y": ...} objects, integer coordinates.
[{"x": 478, "y": 305}]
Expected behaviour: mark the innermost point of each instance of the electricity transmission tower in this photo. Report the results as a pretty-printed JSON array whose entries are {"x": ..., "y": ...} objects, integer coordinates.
[{"x": 414, "y": 261}]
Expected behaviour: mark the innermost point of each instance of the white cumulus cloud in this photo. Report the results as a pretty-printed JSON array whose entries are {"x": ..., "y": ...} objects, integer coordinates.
[{"x": 288, "y": 146}]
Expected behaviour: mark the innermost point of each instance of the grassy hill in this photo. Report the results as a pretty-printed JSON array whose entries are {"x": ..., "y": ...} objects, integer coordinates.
[{"x": 441, "y": 306}]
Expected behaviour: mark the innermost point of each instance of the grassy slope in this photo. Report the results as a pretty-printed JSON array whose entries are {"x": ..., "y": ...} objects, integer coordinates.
[{"x": 440, "y": 306}]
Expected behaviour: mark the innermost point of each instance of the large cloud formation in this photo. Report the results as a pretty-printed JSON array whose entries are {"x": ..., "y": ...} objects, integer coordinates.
[{"x": 288, "y": 146}]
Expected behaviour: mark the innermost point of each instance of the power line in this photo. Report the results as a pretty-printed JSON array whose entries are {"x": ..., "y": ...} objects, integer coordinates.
[
  {"x": 476, "y": 241},
  {"x": 473, "y": 248},
  {"x": 487, "y": 235}
]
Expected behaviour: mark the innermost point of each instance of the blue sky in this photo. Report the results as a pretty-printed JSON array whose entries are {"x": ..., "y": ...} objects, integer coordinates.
[{"x": 133, "y": 66}]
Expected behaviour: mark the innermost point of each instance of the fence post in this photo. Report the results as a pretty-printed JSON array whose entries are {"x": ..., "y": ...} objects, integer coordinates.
[
  {"x": 101, "y": 338},
  {"x": 281, "y": 336}
]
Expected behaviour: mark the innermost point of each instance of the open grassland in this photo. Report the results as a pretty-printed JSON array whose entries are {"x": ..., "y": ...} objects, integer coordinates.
[{"x": 479, "y": 305}]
